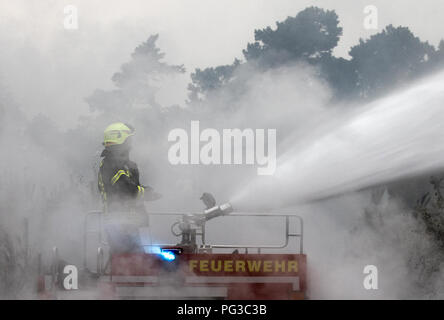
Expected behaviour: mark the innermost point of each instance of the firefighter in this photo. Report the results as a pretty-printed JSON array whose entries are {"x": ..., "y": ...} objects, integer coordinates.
[{"x": 121, "y": 191}]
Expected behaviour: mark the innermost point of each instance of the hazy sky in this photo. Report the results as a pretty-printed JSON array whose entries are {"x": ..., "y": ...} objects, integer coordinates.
[{"x": 50, "y": 69}]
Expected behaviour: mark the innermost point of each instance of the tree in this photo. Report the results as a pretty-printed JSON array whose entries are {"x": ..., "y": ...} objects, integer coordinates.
[
  {"x": 310, "y": 36},
  {"x": 210, "y": 79},
  {"x": 339, "y": 74},
  {"x": 312, "y": 33},
  {"x": 377, "y": 65},
  {"x": 136, "y": 81},
  {"x": 437, "y": 59},
  {"x": 388, "y": 58}
]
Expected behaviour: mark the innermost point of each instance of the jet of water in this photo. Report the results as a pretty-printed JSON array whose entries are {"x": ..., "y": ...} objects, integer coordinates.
[{"x": 401, "y": 135}]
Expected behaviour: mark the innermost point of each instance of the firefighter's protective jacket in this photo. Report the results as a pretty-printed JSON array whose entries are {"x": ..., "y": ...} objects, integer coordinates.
[{"x": 118, "y": 182}]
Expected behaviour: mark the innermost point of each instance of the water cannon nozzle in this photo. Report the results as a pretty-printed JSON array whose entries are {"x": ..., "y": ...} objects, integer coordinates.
[{"x": 217, "y": 211}]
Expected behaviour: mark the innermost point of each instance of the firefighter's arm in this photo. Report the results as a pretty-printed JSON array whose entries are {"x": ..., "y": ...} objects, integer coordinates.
[
  {"x": 145, "y": 192},
  {"x": 122, "y": 182}
]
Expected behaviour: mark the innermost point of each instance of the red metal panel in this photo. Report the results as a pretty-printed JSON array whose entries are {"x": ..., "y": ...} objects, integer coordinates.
[
  {"x": 213, "y": 264},
  {"x": 257, "y": 266}
]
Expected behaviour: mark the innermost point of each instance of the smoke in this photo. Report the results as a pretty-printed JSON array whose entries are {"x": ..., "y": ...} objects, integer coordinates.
[{"x": 347, "y": 233}]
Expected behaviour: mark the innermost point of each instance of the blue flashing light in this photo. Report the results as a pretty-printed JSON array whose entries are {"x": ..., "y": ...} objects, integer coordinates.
[
  {"x": 164, "y": 254},
  {"x": 167, "y": 255}
]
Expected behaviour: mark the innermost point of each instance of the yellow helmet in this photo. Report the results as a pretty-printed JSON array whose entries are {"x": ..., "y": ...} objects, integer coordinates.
[{"x": 117, "y": 133}]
